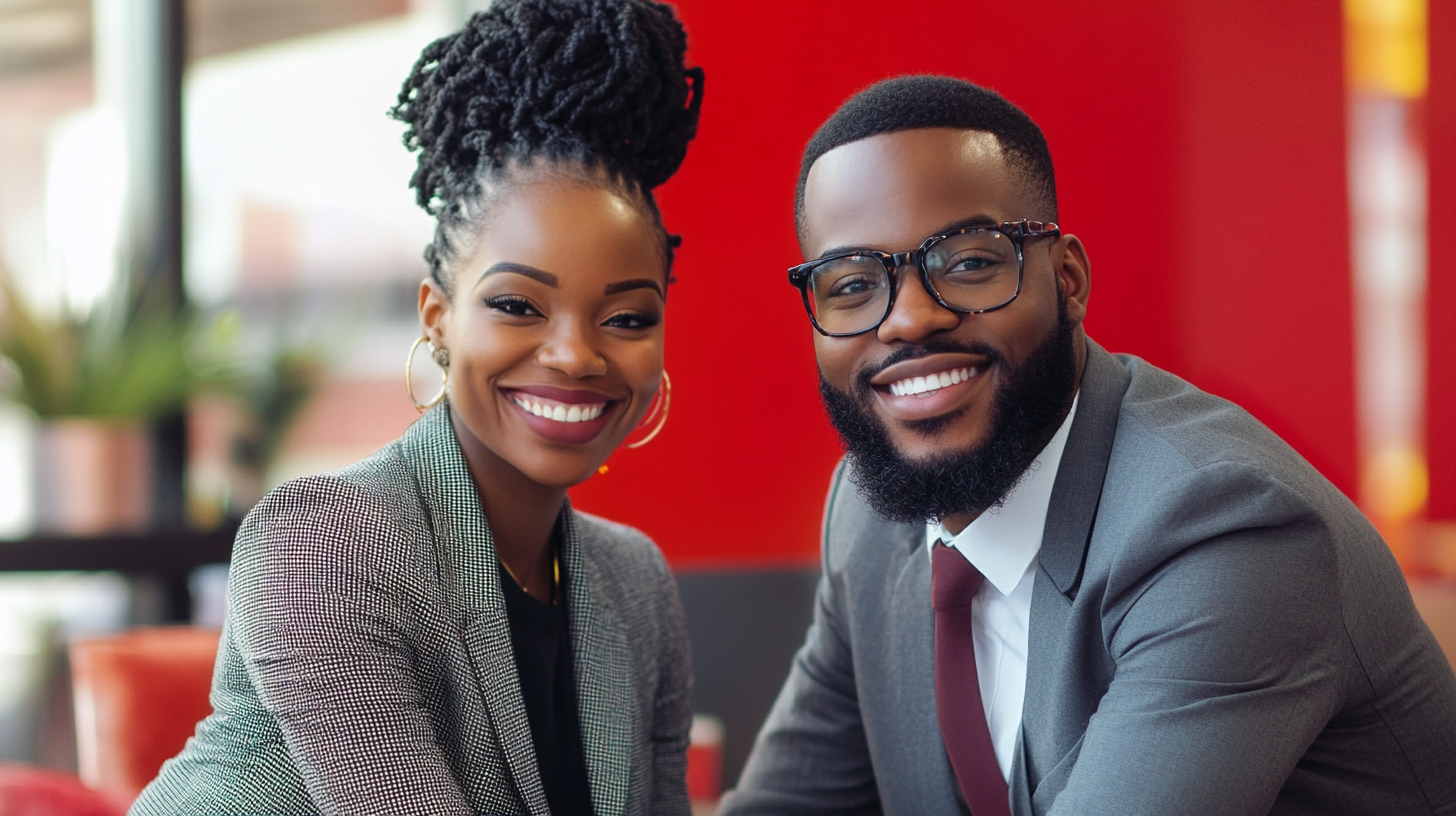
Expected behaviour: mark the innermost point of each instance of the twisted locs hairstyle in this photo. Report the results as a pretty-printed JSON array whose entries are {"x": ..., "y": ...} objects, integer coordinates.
[{"x": 596, "y": 88}]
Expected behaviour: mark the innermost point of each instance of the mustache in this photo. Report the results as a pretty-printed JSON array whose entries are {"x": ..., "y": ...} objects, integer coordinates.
[{"x": 900, "y": 355}]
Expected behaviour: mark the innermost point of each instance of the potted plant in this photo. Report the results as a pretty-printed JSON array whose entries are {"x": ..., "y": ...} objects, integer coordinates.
[{"x": 93, "y": 383}]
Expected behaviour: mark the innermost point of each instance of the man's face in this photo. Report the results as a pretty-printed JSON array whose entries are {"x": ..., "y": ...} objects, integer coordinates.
[{"x": 891, "y": 192}]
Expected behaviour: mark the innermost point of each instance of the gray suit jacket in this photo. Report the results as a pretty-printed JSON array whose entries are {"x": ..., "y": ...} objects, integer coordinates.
[
  {"x": 1215, "y": 629},
  {"x": 366, "y": 663}
]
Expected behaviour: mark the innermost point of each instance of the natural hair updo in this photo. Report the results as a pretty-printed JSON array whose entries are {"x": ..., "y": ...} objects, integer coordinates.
[{"x": 594, "y": 87}]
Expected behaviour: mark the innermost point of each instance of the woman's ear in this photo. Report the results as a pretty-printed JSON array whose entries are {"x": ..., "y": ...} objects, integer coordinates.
[{"x": 434, "y": 312}]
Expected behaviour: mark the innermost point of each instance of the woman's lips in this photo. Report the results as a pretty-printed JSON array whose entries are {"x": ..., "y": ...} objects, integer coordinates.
[
  {"x": 561, "y": 415},
  {"x": 559, "y": 412}
]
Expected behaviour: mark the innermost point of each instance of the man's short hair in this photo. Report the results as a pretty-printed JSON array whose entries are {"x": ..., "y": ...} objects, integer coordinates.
[{"x": 929, "y": 101}]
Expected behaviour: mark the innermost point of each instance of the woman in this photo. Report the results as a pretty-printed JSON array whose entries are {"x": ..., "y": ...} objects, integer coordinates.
[{"x": 433, "y": 629}]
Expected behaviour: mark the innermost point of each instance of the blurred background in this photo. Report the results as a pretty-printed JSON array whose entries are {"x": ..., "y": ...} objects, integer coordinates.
[{"x": 209, "y": 259}]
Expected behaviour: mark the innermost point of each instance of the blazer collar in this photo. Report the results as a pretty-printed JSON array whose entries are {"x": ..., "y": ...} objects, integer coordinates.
[
  {"x": 605, "y": 698},
  {"x": 467, "y": 563},
  {"x": 463, "y": 542},
  {"x": 1078, "y": 488}
]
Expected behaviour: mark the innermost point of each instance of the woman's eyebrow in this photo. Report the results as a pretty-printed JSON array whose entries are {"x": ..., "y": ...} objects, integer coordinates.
[
  {"x": 520, "y": 269},
  {"x": 629, "y": 285}
]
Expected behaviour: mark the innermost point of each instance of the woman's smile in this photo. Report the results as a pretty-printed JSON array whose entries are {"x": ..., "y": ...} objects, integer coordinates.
[{"x": 563, "y": 415}]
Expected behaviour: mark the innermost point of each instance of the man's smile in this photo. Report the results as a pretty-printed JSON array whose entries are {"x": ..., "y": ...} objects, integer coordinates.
[
  {"x": 923, "y": 385},
  {"x": 930, "y": 386}
]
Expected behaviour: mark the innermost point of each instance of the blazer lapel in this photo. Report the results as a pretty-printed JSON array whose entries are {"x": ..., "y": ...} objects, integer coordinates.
[
  {"x": 1073, "y": 511},
  {"x": 467, "y": 564},
  {"x": 605, "y": 697},
  {"x": 913, "y": 663}
]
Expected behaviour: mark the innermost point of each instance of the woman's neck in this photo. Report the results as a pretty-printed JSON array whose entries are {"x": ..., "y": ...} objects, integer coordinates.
[{"x": 521, "y": 512}]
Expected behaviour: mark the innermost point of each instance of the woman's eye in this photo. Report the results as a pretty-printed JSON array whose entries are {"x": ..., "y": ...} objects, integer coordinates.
[
  {"x": 512, "y": 305},
  {"x": 631, "y": 320}
]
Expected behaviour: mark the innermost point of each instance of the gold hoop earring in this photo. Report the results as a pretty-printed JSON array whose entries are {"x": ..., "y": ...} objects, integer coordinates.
[
  {"x": 444, "y": 374},
  {"x": 657, "y": 412}
]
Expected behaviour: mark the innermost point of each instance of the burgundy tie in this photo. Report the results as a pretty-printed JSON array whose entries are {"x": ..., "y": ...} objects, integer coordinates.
[{"x": 957, "y": 689}]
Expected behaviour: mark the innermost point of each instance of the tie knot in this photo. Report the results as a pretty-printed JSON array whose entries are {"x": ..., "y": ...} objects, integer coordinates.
[{"x": 954, "y": 580}]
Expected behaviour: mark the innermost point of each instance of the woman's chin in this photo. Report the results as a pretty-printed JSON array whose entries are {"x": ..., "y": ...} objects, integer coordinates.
[{"x": 557, "y": 470}]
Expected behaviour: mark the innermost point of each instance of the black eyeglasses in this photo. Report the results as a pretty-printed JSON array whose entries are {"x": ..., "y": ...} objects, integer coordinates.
[{"x": 969, "y": 271}]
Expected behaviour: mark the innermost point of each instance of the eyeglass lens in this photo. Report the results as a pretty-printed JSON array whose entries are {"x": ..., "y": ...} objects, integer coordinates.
[{"x": 971, "y": 271}]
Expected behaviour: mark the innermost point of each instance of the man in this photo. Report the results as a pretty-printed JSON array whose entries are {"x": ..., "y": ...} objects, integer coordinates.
[{"x": 1058, "y": 581}]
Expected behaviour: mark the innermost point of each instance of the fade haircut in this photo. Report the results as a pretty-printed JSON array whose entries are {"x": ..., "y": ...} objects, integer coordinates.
[
  {"x": 929, "y": 101},
  {"x": 593, "y": 88}
]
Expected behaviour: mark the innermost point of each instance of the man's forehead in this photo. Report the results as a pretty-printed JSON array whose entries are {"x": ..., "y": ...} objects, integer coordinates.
[{"x": 889, "y": 186}]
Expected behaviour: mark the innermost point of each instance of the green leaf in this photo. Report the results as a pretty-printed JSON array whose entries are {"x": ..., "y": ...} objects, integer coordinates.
[{"x": 82, "y": 367}]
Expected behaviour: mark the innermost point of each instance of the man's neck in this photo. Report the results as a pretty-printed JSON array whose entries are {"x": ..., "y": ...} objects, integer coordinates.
[{"x": 957, "y": 522}]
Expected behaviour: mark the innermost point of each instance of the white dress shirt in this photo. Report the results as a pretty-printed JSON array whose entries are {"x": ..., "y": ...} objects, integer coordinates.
[{"x": 1003, "y": 544}]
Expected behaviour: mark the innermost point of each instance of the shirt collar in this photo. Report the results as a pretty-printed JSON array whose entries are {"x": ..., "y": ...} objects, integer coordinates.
[{"x": 1003, "y": 541}]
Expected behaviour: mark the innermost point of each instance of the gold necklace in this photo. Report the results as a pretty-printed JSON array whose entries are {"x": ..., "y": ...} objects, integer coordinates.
[{"x": 555, "y": 574}]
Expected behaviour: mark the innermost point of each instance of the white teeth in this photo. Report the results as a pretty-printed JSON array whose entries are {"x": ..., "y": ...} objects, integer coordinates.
[
  {"x": 931, "y": 382},
  {"x": 558, "y": 411}
]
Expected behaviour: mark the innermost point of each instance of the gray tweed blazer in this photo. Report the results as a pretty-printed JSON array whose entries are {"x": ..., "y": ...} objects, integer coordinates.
[{"x": 366, "y": 663}]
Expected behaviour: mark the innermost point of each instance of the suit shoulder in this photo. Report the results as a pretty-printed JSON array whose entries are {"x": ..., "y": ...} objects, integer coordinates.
[
  {"x": 1168, "y": 424},
  {"x": 381, "y": 482},
  {"x": 371, "y": 505},
  {"x": 853, "y": 531},
  {"x": 1188, "y": 461},
  {"x": 626, "y": 548}
]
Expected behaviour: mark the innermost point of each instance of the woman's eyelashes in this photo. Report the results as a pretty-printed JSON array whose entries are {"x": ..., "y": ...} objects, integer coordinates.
[
  {"x": 513, "y": 305},
  {"x": 518, "y": 306},
  {"x": 632, "y": 320}
]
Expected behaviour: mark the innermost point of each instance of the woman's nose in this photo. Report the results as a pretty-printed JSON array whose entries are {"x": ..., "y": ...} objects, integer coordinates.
[{"x": 571, "y": 352}]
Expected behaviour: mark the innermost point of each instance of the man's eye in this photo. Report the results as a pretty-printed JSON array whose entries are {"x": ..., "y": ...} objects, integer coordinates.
[
  {"x": 853, "y": 286},
  {"x": 631, "y": 320},
  {"x": 971, "y": 264},
  {"x": 971, "y": 270},
  {"x": 512, "y": 305}
]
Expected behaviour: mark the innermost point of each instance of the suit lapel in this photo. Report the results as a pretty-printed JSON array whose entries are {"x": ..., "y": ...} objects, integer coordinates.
[
  {"x": 913, "y": 662},
  {"x": 1070, "y": 518},
  {"x": 498, "y": 683},
  {"x": 467, "y": 565},
  {"x": 1078, "y": 488},
  {"x": 606, "y": 702}
]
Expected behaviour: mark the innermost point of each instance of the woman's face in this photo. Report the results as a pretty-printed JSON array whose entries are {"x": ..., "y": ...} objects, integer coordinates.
[{"x": 554, "y": 330}]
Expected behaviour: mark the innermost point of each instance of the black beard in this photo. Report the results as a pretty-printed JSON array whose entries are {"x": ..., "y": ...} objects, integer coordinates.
[{"x": 1027, "y": 409}]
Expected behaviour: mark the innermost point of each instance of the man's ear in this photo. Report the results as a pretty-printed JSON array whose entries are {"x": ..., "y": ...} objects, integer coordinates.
[
  {"x": 1074, "y": 271},
  {"x": 434, "y": 312}
]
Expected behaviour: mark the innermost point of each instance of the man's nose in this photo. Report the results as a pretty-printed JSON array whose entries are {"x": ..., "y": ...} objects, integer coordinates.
[
  {"x": 916, "y": 314},
  {"x": 571, "y": 351}
]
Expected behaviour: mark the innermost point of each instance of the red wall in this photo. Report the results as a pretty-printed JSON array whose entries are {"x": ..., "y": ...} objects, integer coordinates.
[{"x": 1200, "y": 156}]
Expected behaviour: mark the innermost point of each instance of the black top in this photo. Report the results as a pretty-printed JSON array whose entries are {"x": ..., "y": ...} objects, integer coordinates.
[{"x": 541, "y": 641}]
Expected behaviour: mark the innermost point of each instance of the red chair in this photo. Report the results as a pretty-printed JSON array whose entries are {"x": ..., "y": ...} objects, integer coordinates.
[
  {"x": 30, "y": 791},
  {"x": 139, "y": 696}
]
